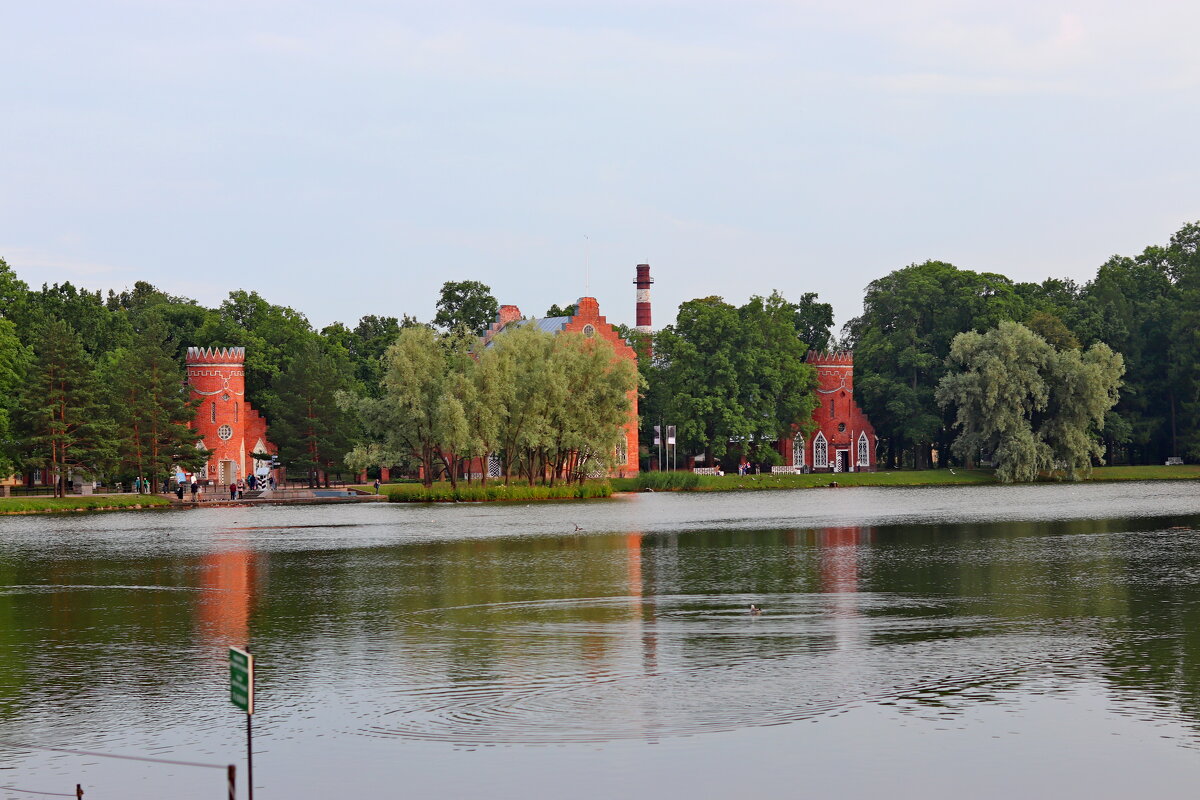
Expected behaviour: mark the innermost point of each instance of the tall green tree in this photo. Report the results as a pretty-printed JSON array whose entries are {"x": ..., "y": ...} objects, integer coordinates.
[
  {"x": 1182, "y": 258},
  {"x": 407, "y": 420},
  {"x": 901, "y": 342},
  {"x": 14, "y": 362},
  {"x": 150, "y": 407},
  {"x": 466, "y": 305},
  {"x": 271, "y": 334},
  {"x": 1028, "y": 405},
  {"x": 100, "y": 329},
  {"x": 312, "y": 430},
  {"x": 62, "y": 422},
  {"x": 814, "y": 321},
  {"x": 724, "y": 374}
]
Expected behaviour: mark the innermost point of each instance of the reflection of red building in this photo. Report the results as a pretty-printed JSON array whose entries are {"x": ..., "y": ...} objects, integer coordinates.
[
  {"x": 225, "y": 609},
  {"x": 231, "y": 428},
  {"x": 844, "y": 440},
  {"x": 839, "y": 557}
]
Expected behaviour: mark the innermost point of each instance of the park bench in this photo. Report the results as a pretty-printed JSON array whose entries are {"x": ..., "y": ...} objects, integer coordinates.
[{"x": 1174, "y": 461}]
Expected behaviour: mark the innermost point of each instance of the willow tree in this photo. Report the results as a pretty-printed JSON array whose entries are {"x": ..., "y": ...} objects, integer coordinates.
[
  {"x": 416, "y": 417},
  {"x": 586, "y": 423},
  {"x": 1033, "y": 407}
]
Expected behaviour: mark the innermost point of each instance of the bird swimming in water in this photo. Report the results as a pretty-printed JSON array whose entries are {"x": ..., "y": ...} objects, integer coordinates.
[
  {"x": 577, "y": 528},
  {"x": 754, "y": 610}
]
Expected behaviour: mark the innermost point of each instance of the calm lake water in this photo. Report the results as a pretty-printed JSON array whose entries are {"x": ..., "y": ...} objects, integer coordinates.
[{"x": 984, "y": 642}]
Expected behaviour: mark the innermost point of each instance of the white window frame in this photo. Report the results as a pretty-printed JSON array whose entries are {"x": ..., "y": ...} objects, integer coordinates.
[
  {"x": 820, "y": 451},
  {"x": 798, "y": 452},
  {"x": 864, "y": 450}
]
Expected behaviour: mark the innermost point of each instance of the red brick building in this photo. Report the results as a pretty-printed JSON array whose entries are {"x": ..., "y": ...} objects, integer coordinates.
[
  {"x": 844, "y": 440},
  {"x": 588, "y": 321},
  {"x": 231, "y": 428}
]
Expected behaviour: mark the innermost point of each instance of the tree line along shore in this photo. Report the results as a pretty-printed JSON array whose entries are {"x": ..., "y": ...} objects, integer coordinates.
[{"x": 954, "y": 367}]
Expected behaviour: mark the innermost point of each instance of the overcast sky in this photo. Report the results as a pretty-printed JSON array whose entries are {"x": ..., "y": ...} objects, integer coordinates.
[{"x": 347, "y": 158}]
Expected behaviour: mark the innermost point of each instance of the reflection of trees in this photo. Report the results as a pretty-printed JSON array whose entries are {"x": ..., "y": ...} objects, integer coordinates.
[{"x": 436, "y": 611}]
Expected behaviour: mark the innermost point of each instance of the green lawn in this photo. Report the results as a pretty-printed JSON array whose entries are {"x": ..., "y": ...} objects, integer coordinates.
[
  {"x": 19, "y": 505},
  {"x": 727, "y": 483},
  {"x": 1156, "y": 472},
  {"x": 930, "y": 477}
]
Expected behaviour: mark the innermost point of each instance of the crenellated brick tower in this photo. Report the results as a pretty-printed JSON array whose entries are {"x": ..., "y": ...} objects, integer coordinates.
[
  {"x": 844, "y": 439},
  {"x": 231, "y": 428}
]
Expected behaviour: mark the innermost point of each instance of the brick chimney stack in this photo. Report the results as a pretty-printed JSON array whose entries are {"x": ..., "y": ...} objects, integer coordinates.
[{"x": 643, "y": 282}]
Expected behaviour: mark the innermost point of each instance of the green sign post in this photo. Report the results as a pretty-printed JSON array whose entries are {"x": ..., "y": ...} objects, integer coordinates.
[
  {"x": 241, "y": 679},
  {"x": 241, "y": 692}
]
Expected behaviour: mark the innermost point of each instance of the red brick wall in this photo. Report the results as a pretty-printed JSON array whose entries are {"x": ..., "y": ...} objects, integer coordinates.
[
  {"x": 217, "y": 378},
  {"x": 838, "y": 417}
]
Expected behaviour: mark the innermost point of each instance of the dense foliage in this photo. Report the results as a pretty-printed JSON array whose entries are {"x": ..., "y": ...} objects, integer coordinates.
[
  {"x": 1145, "y": 307},
  {"x": 1028, "y": 405},
  {"x": 727, "y": 375},
  {"x": 551, "y": 407},
  {"x": 91, "y": 384}
]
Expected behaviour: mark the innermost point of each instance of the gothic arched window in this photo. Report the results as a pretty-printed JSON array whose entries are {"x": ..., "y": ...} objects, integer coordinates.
[
  {"x": 820, "y": 452},
  {"x": 212, "y": 414},
  {"x": 798, "y": 452},
  {"x": 864, "y": 451}
]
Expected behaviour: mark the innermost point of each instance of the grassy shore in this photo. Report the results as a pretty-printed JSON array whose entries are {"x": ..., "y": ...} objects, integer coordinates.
[
  {"x": 44, "y": 505},
  {"x": 682, "y": 481},
  {"x": 442, "y": 492},
  {"x": 727, "y": 483},
  {"x": 1156, "y": 472}
]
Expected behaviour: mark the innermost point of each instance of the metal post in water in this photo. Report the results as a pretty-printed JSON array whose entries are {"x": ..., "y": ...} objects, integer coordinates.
[
  {"x": 78, "y": 791},
  {"x": 249, "y": 761},
  {"x": 232, "y": 774}
]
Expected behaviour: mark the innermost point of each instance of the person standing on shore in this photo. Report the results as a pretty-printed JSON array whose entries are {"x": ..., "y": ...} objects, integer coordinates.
[
  {"x": 233, "y": 491},
  {"x": 377, "y": 486},
  {"x": 195, "y": 489}
]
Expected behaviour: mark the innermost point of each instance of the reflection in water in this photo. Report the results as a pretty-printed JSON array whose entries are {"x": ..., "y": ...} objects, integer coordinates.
[
  {"x": 627, "y": 637},
  {"x": 224, "y": 613}
]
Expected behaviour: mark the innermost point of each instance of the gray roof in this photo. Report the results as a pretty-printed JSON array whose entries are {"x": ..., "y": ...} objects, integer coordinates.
[{"x": 548, "y": 324}]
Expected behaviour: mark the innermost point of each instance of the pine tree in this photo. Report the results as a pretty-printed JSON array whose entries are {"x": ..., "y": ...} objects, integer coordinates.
[
  {"x": 150, "y": 406},
  {"x": 312, "y": 429},
  {"x": 63, "y": 424}
]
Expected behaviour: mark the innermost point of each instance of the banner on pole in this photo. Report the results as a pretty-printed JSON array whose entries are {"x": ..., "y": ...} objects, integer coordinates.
[
  {"x": 657, "y": 435},
  {"x": 670, "y": 434}
]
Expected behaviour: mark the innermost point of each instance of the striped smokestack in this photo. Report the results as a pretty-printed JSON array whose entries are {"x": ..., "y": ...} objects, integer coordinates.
[{"x": 643, "y": 282}]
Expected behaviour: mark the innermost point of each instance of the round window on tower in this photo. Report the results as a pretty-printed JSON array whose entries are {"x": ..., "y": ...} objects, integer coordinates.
[
  {"x": 225, "y": 433},
  {"x": 589, "y": 330},
  {"x": 841, "y": 427}
]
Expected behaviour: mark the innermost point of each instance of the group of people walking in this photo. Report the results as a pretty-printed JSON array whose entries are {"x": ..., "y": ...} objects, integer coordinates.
[{"x": 236, "y": 489}]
